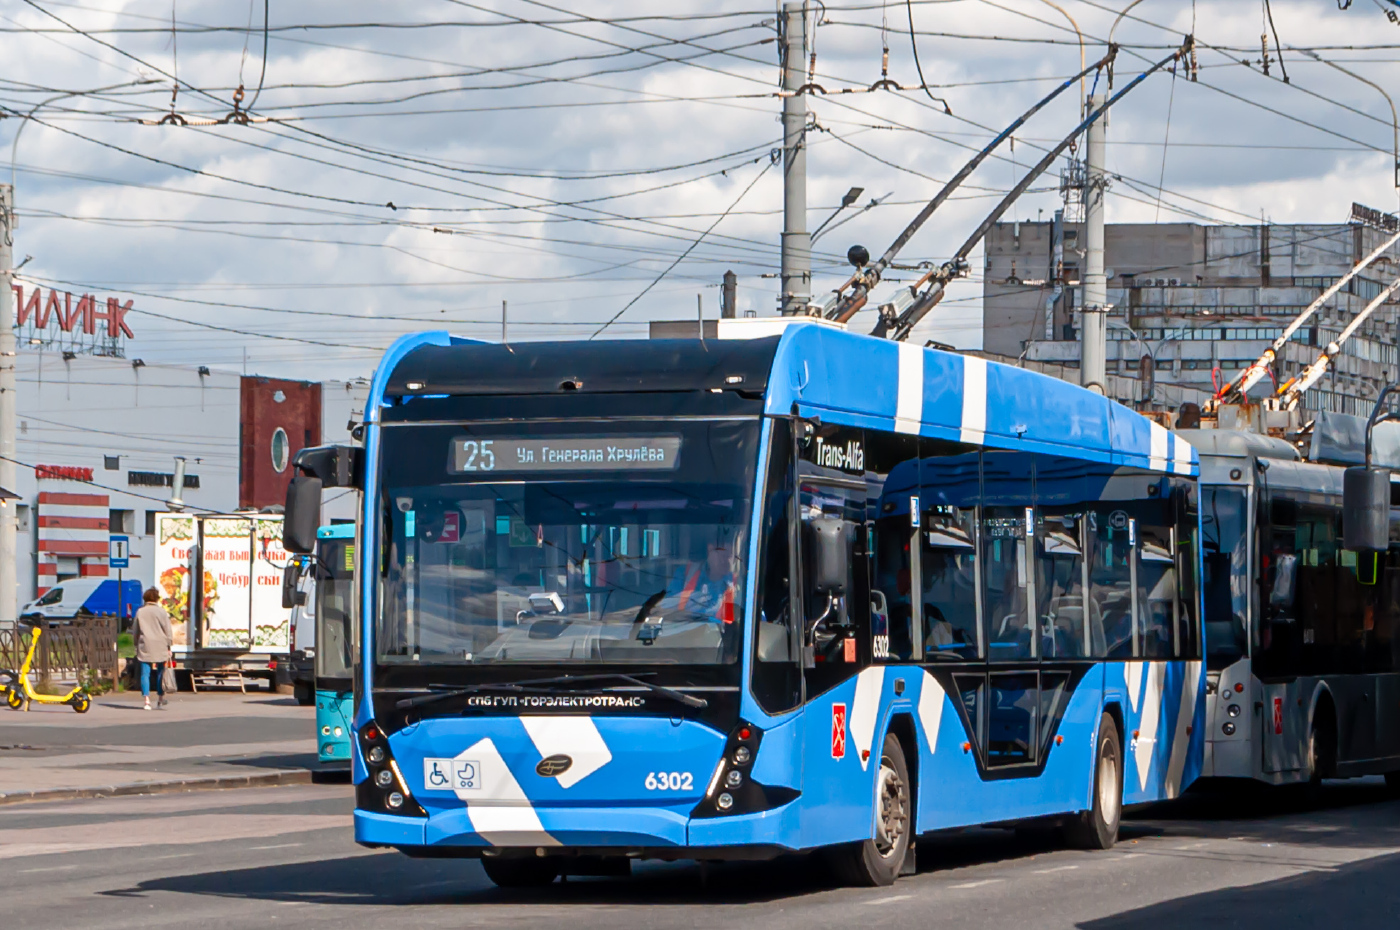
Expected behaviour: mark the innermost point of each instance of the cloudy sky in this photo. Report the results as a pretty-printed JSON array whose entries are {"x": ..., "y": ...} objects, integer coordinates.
[{"x": 563, "y": 157}]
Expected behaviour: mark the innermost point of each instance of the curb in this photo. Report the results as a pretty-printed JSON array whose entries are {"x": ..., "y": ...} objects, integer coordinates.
[{"x": 216, "y": 783}]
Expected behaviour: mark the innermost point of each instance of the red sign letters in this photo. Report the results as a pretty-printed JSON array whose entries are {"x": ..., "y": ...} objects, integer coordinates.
[{"x": 82, "y": 316}]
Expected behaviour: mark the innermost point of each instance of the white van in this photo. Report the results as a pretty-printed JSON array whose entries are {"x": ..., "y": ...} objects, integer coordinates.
[{"x": 83, "y": 597}]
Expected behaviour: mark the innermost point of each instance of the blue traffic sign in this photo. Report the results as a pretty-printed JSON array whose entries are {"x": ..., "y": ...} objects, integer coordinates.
[{"x": 119, "y": 552}]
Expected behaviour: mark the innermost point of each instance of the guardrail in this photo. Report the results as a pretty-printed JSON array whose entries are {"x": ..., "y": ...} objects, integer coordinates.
[{"x": 86, "y": 645}]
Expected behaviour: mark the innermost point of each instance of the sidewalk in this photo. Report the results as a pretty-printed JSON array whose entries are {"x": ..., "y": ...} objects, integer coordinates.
[{"x": 198, "y": 741}]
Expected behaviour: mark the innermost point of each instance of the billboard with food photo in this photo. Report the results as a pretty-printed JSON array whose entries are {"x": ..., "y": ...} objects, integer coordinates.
[
  {"x": 174, "y": 561},
  {"x": 237, "y": 566}
]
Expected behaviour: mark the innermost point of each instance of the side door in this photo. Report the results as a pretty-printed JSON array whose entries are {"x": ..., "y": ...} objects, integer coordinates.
[{"x": 841, "y": 709}]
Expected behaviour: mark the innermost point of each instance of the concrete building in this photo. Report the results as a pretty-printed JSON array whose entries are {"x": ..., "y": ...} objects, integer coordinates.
[
  {"x": 1195, "y": 304},
  {"x": 99, "y": 437}
]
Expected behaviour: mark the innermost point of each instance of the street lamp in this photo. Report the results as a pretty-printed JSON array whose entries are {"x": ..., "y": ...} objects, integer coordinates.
[
  {"x": 851, "y": 196},
  {"x": 24, "y": 120},
  {"x": 1394, "y": 121}
]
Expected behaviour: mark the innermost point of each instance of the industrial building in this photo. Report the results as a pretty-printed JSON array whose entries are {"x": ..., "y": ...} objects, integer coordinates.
[
  {"x": 97, "y": 439},
  {"x": 1194, "y": 304}
]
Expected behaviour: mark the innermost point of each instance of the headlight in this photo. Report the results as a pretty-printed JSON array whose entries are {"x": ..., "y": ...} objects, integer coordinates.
[
  {"x": 338, "y": 731},
  {"x": 394, "y": 800},
  {"x": 1233, "y": 710},
  {"x": 734, "y": 779},
  {"x": 724, "y": 802},
  {"x": 742, "y": 755},
  {"x": 383, "y": 778},
  {"x": 376, "y": 755},
  {"x": 325, "y": 731},
  {"x": 1228, "y": 729}
]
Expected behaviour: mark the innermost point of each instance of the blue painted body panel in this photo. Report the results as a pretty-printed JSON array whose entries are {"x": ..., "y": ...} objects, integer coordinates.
[{"x": 853, "y": 380}]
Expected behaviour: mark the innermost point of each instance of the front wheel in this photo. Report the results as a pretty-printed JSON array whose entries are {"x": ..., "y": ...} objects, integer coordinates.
[
  {"x": 877, "y": 861},
  {"x": 14, "y": 699},
  {"x": 81, "y": 703},
  {"x": 519, "y": 873},
  {"x": 1097, "y": 828}
]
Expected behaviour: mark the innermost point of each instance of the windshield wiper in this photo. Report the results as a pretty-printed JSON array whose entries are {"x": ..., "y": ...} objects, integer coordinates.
[
  {"x": 440, "y": 693},
  {"x": 688, "y": 700}
]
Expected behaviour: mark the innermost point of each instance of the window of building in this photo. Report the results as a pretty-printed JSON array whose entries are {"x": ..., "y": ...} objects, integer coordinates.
[
  {"x": 151, "y": 522},
  {"x": 112, "y": 462},
  {"x": 121, "y": 521}
]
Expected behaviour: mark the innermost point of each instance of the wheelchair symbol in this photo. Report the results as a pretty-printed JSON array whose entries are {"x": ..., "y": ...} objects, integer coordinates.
[{"x": 437, "y": 778}]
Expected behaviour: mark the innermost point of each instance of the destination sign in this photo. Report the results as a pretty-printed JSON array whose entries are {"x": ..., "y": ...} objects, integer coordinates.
[{"x": 578, "y": 453}]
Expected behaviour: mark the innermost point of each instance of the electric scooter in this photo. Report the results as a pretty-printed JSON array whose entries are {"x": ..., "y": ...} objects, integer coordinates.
[{"x": 19, "y": 694}]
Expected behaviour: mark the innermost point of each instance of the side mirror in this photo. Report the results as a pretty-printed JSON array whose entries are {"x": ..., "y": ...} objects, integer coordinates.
[
  {"x": 291, "y": 597},
  {"x": 831, "y": 555},
  {"x": 302, "y": 515},
  {"x": 1366, "y": 508}
]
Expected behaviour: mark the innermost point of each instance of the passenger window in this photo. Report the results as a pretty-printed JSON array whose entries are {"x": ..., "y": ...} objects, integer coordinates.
[
  {"x": 892, "y": 493},
  {"x": 1111, "y": 535},
  {"x": 1007, "y": 528},
  {"x": 1060, "y": 583},
  {"x": 950, "y": 492}
]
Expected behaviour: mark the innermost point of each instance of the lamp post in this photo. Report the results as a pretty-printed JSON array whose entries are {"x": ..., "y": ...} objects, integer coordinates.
[{"x": 9, "y": 523}]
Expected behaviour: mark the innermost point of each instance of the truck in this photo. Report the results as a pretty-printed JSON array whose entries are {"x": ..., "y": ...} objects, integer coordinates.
[{"x": 220, "y": 579}]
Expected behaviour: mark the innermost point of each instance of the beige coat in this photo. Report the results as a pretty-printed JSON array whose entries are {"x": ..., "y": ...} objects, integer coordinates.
[{"x": 153, "y": 634}]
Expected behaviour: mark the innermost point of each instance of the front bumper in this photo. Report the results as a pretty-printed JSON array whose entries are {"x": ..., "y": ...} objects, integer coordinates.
[{"x": 624, "y": 829}]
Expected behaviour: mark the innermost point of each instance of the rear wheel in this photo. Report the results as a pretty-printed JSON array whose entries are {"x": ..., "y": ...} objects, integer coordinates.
[
  {"x": 519, "y": 873},
  {"x": 81, "y": 703},
  {"x": 14, "y": 699},
  {"x": 1097, "y": 828},
  {"x": 304, "y": 693},
  {"x": 878, "y": 860}
]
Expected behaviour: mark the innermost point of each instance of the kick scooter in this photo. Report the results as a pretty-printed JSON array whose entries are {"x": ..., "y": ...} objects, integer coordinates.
[{"x": 19, "y": 694}]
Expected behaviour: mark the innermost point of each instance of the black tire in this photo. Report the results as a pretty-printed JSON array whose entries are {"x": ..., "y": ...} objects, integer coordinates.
[
  {"x": 519, "y": 873},
  {"x": 81, "y": 703},
  {"x": 1322, "y": 753},
  {"x": 877, "y": 862},
  {"x": 14, "y": 698},
  {"x": 1392, "y": 784},
  {"x": 1097, "y": 828},
  {"x": 304, "y": 693}
]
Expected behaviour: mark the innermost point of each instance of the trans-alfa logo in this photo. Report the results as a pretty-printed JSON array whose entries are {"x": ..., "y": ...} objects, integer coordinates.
[{"x": 848, "y": 457}]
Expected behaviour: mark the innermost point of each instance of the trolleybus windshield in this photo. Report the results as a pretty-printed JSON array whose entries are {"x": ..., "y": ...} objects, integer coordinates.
[
  {"x": 335, "y": 581},
  {"x": 577, "y": 543}
]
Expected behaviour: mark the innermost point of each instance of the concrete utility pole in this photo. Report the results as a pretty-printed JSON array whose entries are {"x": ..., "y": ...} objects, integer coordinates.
[
  {"x": 797, "y": 243},
  {"x": 729, "y": 295},
  {"x": 1094, "y": 315},
  {"x": 9, "y": 523}
]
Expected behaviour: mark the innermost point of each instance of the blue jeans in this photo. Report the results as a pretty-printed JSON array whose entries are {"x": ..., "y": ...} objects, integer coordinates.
[{"x": 146, "y": 669}]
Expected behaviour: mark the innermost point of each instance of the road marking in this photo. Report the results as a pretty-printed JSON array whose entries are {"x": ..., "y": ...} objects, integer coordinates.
[
  {"x": 1058, "y": 868},
  {"x": 877, "y": 902},
  {"x": 52, "y": 868},
  {"x": 277, "y": 846},
  {"x": 985, "y": 881}
]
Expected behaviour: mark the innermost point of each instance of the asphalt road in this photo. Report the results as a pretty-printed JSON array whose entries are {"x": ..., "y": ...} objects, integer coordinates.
[{"x": 283, "y": 856}]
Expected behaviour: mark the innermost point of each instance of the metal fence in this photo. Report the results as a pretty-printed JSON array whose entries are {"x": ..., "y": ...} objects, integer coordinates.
[{"x": 70, "y": 651}]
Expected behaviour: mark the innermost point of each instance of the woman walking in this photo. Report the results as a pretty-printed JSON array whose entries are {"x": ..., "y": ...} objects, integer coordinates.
[{"x": 153, "y": 638}]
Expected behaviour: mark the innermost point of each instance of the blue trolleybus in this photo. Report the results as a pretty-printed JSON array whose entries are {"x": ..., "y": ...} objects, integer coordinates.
[
  {"x": 734, "y": 598},
  {"x": 333, "y": 600}
]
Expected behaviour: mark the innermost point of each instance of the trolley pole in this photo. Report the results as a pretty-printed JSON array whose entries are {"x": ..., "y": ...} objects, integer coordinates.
[
  {"x": 797, "y": 242},
  {"x": 1094, "y": 316},
  {"x": 9, "y": 556}
]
